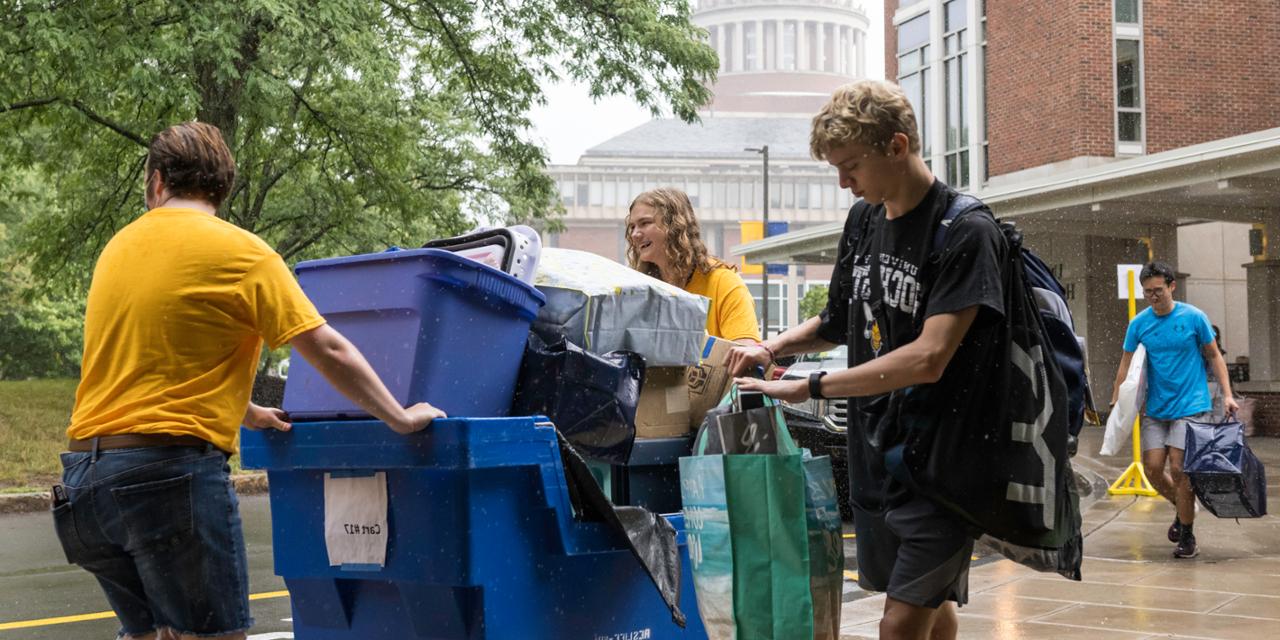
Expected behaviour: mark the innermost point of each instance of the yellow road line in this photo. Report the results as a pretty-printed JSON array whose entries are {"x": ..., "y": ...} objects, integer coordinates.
[
  {"x": 102, "y": 615},
  {"x": 268, "y": 595},
  {"x": 850, "y": 575},
  {"x": 849, "y": 535}
]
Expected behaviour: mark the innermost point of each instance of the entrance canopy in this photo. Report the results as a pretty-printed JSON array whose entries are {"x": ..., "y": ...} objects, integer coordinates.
[{"x": 1228, "y": 180}]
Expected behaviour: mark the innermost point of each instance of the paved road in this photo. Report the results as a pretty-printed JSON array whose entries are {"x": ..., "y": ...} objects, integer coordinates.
[{"x": 37, "y": 585}]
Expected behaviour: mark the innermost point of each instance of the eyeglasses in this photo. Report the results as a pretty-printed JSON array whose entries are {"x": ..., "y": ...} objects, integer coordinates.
[{"x": 1152, "y": 292}]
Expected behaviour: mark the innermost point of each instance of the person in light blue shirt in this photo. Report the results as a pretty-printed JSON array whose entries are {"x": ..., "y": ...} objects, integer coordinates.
[{"x": 1180, "y": 343}]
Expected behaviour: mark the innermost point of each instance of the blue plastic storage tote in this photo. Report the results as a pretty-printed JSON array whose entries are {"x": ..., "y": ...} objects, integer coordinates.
[
  {"x": 481, "y": 539},
  {"x": 436, "y": 327}
]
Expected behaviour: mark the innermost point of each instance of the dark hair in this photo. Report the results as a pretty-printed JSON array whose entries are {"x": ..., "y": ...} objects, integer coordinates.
[
  {"x": 1158, "y": 270},
  {"x": 193, "y": 161}
]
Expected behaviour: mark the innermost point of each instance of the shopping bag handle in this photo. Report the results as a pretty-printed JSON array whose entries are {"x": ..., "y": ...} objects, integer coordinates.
[{"x": 786, "y": 445}]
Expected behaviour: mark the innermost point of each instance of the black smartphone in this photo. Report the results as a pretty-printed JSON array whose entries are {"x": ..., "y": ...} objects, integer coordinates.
[{"x": 748, "y": 400}]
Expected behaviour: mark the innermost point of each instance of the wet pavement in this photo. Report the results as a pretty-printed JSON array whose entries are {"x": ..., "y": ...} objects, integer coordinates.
[{"x": 1133, "y": 587}]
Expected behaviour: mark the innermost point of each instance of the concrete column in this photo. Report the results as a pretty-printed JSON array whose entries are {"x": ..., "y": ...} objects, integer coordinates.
[
  {"x": 775, "y": 56},
  {"x": 802, "y": 45},
  {"x": 739, "y": 55},
  {"x": 760, "y": 48},
  {"x": 720, "y": 49},
  {"x": 846, "y": 63},
  {"x": 1263, "y": 302},
  {"x": 859, "y": 54},
  {"x": 822, "y": 47},
  {"x": 1106, "y": 316}
]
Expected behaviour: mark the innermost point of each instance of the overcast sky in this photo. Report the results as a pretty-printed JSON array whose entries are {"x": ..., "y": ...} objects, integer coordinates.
[{"x": 571, "y": 123}]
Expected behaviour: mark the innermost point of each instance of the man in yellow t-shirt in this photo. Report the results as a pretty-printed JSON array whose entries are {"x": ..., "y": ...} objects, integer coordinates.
[
  {"x": 664, "y": 241},
  {"x": 180, "y": 305}
]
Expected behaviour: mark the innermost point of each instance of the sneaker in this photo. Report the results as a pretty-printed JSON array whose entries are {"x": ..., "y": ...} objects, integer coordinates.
[
  {"x": 1175, "y": 531},
  {"x": 1186, "y": 546}
]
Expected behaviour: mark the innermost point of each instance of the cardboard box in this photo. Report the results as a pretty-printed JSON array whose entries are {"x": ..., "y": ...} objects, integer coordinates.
[
  {"x": 663, "y": 408},
  {"x": 709, "y": 380}
]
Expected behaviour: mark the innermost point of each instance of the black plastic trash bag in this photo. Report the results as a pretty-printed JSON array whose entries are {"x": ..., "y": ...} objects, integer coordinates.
[
  {"x": 650, "y": 536},
  {"x": 1229, "y": 480},
  {"x": 590, "y": 398}
]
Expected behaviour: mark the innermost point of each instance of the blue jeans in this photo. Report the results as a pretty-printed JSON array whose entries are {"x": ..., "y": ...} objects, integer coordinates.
[{"x": 159, "y": 527}]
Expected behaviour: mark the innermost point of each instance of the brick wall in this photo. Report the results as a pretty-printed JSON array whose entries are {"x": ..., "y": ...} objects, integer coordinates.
[
  {"x": 890, "y": 40},
  {"x": 1209, "y": 70},
  {"x": 604, "y": 241},
  {"x": 1207, "y": 74},
  {"x": 1049, "y": 82},
  {"x": 1266, "y": 414}
]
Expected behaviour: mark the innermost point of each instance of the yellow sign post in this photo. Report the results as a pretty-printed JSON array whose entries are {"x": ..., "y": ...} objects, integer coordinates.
[{"x": 1133, "y": 482}]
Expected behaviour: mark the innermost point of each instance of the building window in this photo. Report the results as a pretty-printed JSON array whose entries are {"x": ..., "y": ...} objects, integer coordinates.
[
  {"x": 1127, "y": 11},
  {"x": 566, "y": 192},
  {"x": 1129, "y": 90},
  {"x": 913, "y": 71},
  {"x": 750, "y": 46},
  {"x": 1130, "y": 133},
  {"x": 596, "y": 191},
  {"x": 955, "y": 24}
]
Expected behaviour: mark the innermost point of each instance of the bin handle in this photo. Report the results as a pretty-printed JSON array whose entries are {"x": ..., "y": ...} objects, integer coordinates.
[{"x": 487, "y": 284}]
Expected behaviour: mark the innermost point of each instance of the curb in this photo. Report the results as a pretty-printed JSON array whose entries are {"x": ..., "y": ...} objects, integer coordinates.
[{"x": 246, "y": 484}]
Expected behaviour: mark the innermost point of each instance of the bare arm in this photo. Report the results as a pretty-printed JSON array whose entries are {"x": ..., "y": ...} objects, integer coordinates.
[
  {"x": 341, "y": 363},
  {"x": 920, "y": 361},
  {"x": 1121, "y": 373},
  {"x": 802, "y": 338},
  {"x": 1219, "y": 367}
]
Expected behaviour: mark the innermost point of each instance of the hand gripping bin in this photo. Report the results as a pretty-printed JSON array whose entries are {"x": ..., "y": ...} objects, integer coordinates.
[
  {"x": 436, "y": 328},
  {"x": 482, "y": 541}
]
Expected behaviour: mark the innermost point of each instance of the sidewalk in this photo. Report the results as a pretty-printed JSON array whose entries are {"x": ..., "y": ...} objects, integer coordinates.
[{"x": 1133, "y": 586}]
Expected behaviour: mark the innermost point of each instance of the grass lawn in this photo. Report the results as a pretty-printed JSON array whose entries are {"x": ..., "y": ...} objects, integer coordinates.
[{"x": 33, "y": 431}]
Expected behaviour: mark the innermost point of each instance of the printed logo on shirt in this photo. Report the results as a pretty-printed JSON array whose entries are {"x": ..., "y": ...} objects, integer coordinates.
[
  {"x": 871, "y": 330},
  {"x": 901, "y": 288}
]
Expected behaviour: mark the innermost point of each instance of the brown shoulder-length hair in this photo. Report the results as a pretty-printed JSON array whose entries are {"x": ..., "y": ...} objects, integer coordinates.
[
  {"x": 194, "y": 162},
  {"x": 685, "y": 250}
]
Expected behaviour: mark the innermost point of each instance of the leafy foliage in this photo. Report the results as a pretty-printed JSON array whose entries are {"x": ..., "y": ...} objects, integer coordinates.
[
  {"x": 355, "y": 123},
  {"x": 40, "y": 331},
  {"x": 813, "y": 302}
]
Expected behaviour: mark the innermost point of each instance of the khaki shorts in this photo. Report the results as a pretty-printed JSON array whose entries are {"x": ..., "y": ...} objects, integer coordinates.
[{"x": 1158, "y": 434}]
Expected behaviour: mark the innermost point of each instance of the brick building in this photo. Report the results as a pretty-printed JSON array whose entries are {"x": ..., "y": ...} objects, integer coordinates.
[{"x": 1112, "y": 132}]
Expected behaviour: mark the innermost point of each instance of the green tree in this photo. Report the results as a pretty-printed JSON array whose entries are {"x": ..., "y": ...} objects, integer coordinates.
[
  {"x": 814, "y": 301},
  {"x": 355, "y": 123},
  {"x": 41, "y": 331}
]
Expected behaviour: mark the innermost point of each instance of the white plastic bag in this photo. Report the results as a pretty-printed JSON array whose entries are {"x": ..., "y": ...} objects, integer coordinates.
[{"x": 1133, "y": 394}]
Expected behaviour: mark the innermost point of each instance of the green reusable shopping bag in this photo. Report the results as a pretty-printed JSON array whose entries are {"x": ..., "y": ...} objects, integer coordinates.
[{"x": 748, "y": 535}]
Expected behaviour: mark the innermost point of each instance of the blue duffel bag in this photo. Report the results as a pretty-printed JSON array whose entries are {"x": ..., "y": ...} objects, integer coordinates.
[{"x": 1227, "y": 478}]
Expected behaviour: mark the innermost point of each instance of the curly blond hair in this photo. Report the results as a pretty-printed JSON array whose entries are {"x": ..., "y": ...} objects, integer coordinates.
[
  {"x": 867, "y": 112},
  {"x": 685, "y": 250}
]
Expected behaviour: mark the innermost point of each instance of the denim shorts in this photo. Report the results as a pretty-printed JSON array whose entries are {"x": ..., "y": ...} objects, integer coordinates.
[{"x": 159, "y": 527}]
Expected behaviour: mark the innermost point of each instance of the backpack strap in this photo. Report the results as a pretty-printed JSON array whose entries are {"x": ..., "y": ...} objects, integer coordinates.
[{"x": 960, "y": 206}]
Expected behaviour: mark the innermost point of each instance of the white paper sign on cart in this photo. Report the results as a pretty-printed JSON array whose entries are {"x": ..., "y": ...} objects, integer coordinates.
[{"x": 355, "y": 520}]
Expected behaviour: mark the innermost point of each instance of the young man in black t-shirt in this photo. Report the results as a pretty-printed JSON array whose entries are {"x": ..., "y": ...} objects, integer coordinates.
[{"x": 888, "y": 276}]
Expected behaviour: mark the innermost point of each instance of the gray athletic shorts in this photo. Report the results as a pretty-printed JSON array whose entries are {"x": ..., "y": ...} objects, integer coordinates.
[
  {"x": 1158, "y": 434},
  {"x": 915, "y": 552}
]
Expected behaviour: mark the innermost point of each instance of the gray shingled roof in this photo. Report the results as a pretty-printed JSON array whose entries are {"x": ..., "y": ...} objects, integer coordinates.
[{"x": 787, "y": 137}]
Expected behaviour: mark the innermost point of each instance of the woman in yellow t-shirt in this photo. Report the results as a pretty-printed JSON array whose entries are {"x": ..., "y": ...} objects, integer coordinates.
[{"x": 664, "y": 241}]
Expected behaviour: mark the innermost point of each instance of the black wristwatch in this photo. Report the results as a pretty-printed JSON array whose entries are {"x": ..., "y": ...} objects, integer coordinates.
[{"x": 815, "y": 385}]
